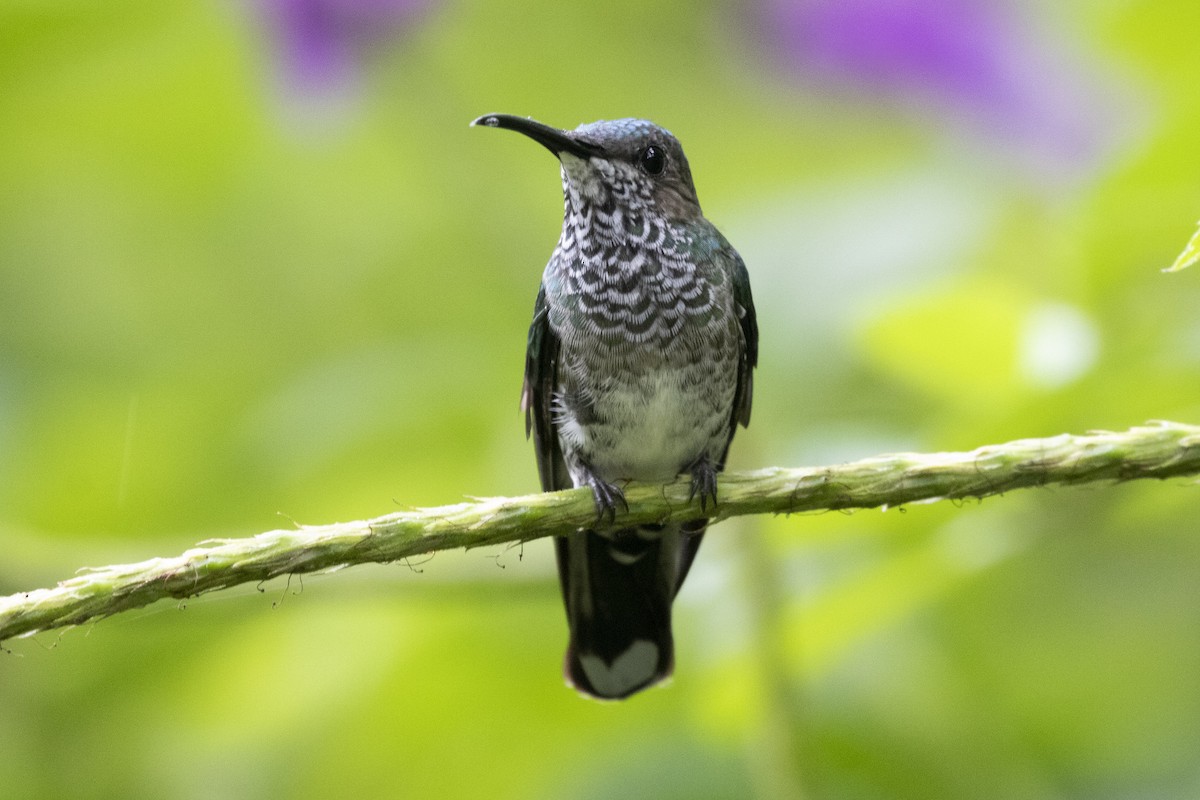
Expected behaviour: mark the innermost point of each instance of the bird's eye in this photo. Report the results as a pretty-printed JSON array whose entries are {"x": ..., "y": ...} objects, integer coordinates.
[{"x": 653, "y": 160}]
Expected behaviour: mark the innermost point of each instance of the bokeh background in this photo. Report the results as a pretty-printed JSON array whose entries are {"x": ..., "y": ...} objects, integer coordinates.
[{"x": 255, "y": 270}]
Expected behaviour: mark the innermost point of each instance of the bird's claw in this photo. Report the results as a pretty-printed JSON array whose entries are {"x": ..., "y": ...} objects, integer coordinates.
[
  {"x": 607, "y": 496},
  {"x": 704, "y": 483}
]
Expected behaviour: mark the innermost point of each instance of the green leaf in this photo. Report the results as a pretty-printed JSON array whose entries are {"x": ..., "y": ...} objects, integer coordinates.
[{"x": 1189, "y": 256}]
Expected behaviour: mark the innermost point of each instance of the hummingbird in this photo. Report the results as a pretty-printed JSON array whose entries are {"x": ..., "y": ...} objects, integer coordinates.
[{"x": 639, "y": 366}]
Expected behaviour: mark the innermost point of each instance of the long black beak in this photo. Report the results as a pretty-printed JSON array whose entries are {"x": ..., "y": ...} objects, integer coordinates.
[{"x": 553, "y": 139}]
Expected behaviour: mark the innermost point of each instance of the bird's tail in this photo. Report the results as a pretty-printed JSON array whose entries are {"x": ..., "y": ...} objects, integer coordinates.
[{"x": 618, "y": 590}]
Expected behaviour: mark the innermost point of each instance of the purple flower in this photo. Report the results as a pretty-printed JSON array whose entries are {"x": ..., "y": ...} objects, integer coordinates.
[
  {"x": 956, "y": 47},
  {"x": 322, "y": 42},
  {"x": 971, "y": 61}
]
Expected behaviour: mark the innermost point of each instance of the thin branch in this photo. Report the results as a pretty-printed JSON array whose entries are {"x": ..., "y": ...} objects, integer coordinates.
[{"x": 1157, "y": 450}]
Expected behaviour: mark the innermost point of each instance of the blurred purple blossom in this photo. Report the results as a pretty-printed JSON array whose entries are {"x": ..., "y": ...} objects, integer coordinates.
[
  {"x": 978, "y": 61},
  {"x": 958, "y": 47},
  {"x": 322, "y": 42}
]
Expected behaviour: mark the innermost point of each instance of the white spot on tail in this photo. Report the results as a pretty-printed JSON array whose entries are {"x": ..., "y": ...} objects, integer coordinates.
[
  {"x": 628, "y": 559},
  {"x": 631, "y": 669}
]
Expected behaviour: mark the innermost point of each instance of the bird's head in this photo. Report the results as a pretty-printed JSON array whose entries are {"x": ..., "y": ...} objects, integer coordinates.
[{"x": 612, "y": 164}]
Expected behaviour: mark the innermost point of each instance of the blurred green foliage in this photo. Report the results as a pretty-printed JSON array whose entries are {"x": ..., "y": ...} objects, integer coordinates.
[{"x": 227, "y": 294}]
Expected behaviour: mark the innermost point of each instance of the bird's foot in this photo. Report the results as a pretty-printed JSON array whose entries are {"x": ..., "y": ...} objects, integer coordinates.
[
  {"x": 704, "y": 483},
  {"x": 608, "y": 497}
]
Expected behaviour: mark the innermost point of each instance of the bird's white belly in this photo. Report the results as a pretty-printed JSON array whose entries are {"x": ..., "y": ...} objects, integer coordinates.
[{"x": 650, "y": 431}]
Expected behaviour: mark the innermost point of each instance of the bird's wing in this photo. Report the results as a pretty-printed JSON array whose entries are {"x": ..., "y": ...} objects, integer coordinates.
[
  {"x": 744, "y": 394},
  {"x": 537, "y": 393}
]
